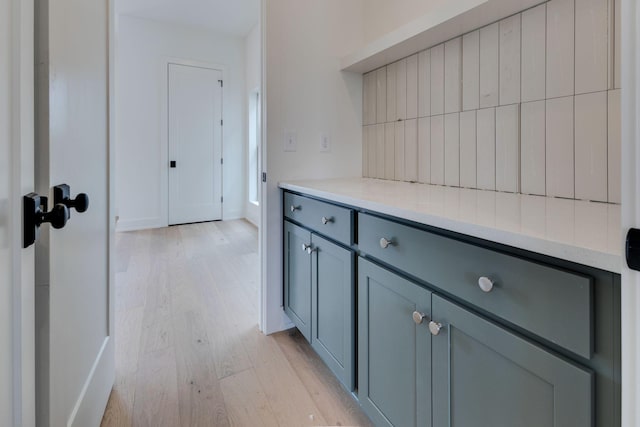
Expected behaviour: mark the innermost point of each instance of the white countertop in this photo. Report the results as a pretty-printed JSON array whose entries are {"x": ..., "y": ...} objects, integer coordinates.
[{"x": 586, "y": 233}]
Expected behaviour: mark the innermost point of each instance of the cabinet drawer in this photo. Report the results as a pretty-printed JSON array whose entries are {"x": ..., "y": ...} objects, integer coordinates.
[
  {"x": 327, "y": 219},
  {"x": 552, "y": 303}
]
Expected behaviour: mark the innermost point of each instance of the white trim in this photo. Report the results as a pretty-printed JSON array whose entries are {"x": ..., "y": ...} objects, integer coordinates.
[
  {"x": 164, "y": 129},
  {"x": 140, "y": 224},
  {"x": 630, "y": 285}
]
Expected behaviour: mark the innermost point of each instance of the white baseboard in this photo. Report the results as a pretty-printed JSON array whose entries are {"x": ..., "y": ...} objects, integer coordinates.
[{"x": 139, "y": 224}]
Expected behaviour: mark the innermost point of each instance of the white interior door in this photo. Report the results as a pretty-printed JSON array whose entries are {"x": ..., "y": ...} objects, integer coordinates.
[
  {"x": 195, "y": 144},
  {"x": 17, "y": 373},
  {"x": 75, "y": 349}
]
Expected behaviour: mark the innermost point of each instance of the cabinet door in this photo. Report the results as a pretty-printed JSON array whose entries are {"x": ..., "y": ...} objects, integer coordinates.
[
  {"x": 297, "y": 277},
  {"x": 332, "y": 302},
  {"x": 484, "y": 375},
  {"x": 394, "y": 352}
]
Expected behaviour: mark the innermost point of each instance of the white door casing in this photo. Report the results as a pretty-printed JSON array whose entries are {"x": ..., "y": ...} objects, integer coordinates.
[
  {"x": 75, "y": 348},
  {"x": 195, "y": 143},
  {"x": 17, "y": 373},
  {"x": 630, "y": 292}
]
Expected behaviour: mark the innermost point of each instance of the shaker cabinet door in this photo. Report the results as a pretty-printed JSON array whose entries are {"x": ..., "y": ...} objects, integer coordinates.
[{"x": 297, "y": 277}]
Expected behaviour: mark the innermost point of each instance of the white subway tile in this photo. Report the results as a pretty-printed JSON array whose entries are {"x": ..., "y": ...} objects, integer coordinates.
[
  {"x": 614, "y": 147},
  {"x": 437, "y": 150},
  {"x": 401, "y": 89},
  {"x": 424, "y": 83},
  {"x": 368, "y": 99},
  {"x": 471, "y": 71},
  {"x": 372, "y": 154},
  {"x": 411, "y": 150},
  {"x": 559, "y": 147},
  {"x": 399, "y": 154},
  {"x": 508, "y": 148},
  {"x": 617, "y": 43},
  {"x": 510, "y": 60},
  {"x": 468, "y": 159},
  {"x": 380, "y": 150},
  {"x": 381, "y": 95},
  {"x": 560, "y": 48},
  {"x": 532, "y": 159},
  {"x": 534, "y": 36},
  {"x": 591, "y": 146},
  {"x": 453, "y": 75},
  {"x": 412, "y": 87},
  {"x": 452, "y": 149},
  {"x": 389, "y": 150},
  {"x": 437, "y": 80},
  {"x": 391, "y": 92},
  {"x": 486, "y": 149},
  {"x": 591, "y": 45},
  {"x": 424, "y": 150},
  {"x": 489, "y": 65}
]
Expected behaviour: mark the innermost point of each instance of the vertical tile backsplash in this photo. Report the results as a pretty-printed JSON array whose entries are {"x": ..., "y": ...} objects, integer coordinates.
[{"x": 529, "y": 104}]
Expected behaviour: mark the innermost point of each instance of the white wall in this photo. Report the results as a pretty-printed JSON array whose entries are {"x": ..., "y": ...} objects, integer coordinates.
[
  {"x": 383, "y": 16},
  {"x": 306, "y": 92},
  {"x": 141, "y": 170},
  {"x": 253, "y": 61}
]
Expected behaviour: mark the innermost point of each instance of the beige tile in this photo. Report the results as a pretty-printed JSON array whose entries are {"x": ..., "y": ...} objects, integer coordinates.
[
  {"x": 560, "y": 48},
  {"x": 372, "y": 153},
  {"x": 486, "y": 149},
  {"x": 532, "y": 159},
  {"x": 471, "y": 71},
  {"x": 453, "y": 75},
  {"x": 369, "y": 99},
  {"x": 391, "y": 92},
  {"x": 559, "y": 147},
  {"x": 381, "y": 95},
  {"x": 468, "y": 149},
  {"x": 452, "y": 149},
  {"x": 365, "y": 151},
  {"x": 437, "y": 150},
  {"x": 614, "y": 147},
  {"x": 489, "y": 65},
  {"x": 412, "y": 87},
  {"x": 437, "y": 80},
  {"x": 591, "y": 40},
  {"x": 399, "y": 153},
  {"x": 617, "y": 43},
  {"x": 380, "y": 150},
  {"x": 401, "y": 89},
  {"x": 389, "y": 150},
  {"x": 411, "y": 150},
  {"x": 424, "y": 150},
  {"x": 510, "y": 60},
  {"x": 591, "y": 146},
  {"x": 534, "y": 35},
  {"x": 508, "y": 148},
  {"x": 424, "y": 83}
]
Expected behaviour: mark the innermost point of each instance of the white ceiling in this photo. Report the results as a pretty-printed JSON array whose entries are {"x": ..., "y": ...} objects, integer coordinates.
[{"x": 232, "y": 17}]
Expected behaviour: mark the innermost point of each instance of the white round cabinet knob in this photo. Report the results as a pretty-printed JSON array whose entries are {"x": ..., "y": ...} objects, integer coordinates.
[{"x": 485, "y": 284}]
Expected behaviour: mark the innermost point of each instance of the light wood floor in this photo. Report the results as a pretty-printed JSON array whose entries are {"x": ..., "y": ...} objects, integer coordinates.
[{"x": 188, "y": 349}]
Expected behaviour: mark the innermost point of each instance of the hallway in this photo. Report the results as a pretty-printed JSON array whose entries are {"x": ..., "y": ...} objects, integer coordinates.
[{"x": 188, "y": 350}]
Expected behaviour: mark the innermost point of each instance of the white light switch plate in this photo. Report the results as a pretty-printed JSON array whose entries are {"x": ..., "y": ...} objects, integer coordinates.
[{"x": 290, "y": 140}]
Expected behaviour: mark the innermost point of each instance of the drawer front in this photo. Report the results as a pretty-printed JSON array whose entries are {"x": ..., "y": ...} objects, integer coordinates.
[
  {"x": 551, "y": 303},
  {"x": 327, "y": 219}
]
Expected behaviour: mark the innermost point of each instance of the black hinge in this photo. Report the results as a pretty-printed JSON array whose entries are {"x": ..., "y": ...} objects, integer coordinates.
[
  {"x": 221, "y": 83},
  {"x": 264, "y": 177},
  {"x": 222, "y": 161},
  {"x": 221, "y": 199},
  {"x": 221, "y": 122},
  {"x": 632, "y": 249}
]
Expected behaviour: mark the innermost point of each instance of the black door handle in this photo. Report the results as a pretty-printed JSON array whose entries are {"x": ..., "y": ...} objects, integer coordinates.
[
  {"x": 35, "y": 214},
  {"x": 172, "y": 164},
  {"x": 632, "y": 249},
  {"x": 62, "y": 195}
]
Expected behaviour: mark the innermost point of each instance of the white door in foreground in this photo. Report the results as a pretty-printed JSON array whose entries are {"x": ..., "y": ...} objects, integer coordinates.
[
  {"x": 75, "y": 348},
  {"x": 195, "y": 144}
]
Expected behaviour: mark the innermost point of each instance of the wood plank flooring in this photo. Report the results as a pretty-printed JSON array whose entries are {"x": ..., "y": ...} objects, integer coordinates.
[{"x": 188, "y": 348}]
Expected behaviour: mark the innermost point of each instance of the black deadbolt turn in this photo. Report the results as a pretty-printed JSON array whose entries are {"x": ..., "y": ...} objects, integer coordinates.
[
  {"x": 35, "y": 214},
  {"x": 632, "y": 249},
  {"x": 172, "y": 163},
  {"x": 62, "y": 195}
]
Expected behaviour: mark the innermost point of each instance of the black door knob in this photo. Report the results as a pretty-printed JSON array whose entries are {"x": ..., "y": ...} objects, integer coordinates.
[
  {"x": 62, "y": 195},
  {"x": 35, "y": 214}
]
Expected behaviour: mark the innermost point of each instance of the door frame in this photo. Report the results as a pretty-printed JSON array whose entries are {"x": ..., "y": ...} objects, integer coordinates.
[{"x": 164, "y": 128}]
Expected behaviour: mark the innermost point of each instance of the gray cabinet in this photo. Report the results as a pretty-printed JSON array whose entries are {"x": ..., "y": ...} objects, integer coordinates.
[
  {"x": 319, "y": 288},
  {"x": 297, "y": 277},
  {"x": 394, "y": 351},
  {"x": 484, "y": 375}
]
